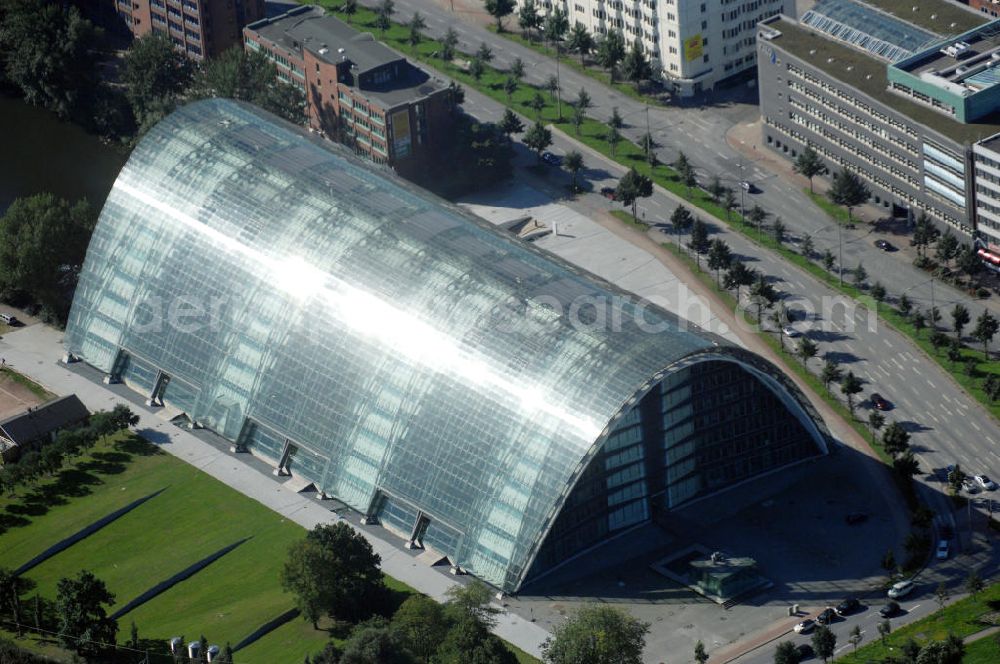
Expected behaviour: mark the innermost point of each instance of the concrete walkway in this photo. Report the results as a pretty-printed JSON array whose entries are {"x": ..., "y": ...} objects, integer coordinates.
[{"x": 35, "y": 351}]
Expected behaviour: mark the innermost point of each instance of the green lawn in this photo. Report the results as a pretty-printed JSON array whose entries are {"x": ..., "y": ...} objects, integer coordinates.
[
  {"x": 983, "y": 651},
  {"x": 960, "y": 618}
]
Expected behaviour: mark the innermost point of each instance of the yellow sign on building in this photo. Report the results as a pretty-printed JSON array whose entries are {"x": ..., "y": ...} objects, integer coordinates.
[{"x": 693, "y": 47}]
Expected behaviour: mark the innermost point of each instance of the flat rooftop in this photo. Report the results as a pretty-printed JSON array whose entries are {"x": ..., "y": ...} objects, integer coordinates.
[
  {"x": 973, "y": 70},
  {"x": 867, "y": 74},
  {"x": 938, "y": 16}
]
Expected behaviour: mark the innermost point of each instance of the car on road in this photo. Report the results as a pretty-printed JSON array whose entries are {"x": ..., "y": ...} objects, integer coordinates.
[
  {"x": 884, "y": 245},
  {"x": 879, "y": 402},
  {"x": 609, "y": 193},
  {"x": 826, "y": 616},
  {"x": 10, "y": 319},
  {"x": 747, "y": 186},
  {"x": 889, "y": 610},
  {"x": 969, "y": 486},
  {"x": 551, "y": 159},
  {"x": 804, "y": 651},
  {"x": 942, "y": 550},
  {"x": 790, "y": 332},
  {"x": 854, "y": 518},
  {"x": 901, "y": 589},
  {"x": 805, "y": 626},
  {"x": 986, "y": 482},
  {"x": 849, "y": 605}
]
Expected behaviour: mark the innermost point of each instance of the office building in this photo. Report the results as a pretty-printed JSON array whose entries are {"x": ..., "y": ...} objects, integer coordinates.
[
  {"x": 199, "y": 28},
  {"x": 441, "y": 377},
  {"x": 359, "y": 91}
]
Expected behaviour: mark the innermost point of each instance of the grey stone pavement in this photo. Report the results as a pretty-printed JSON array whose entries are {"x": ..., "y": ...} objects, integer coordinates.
[{"x": 35, "y": 351}]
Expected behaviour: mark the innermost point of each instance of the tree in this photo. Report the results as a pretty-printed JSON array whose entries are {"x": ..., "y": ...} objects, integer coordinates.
[
  {"x": 555, "y": 26},
  {"x": 50, "y": 53},
  {"x": 878, "y": 292},
  {"x": 828, "y": 260},
  {"x": 809, "y": 164},
  {"x": 615, "y": 121},
  {"x": 860, "y": 275},
  {"x": 924, "y": 233},
  {"x": 154, "y": 75},
  {"x": 762, "y": 294},
  {"x": 573, "y": 162},
  {"x": 416, "y": 25},
  {"x": 919, "y": 322},
  {"x": 848, "y": 190},
  {"x": 469, "y": 642},
  {"x": 778, "y": 228},
  {"x": 614, "y": 138},
  {"x": 974, "y": 583},
  {"x": 986, "y": 328},
  {"x": 738, "y": 275},
  {"x": 959, "y": 319},
  {"x": 786, "y": 653},
  {"x": 621, "y": 641},
  {"x": 941, "y": 595},
  {"x": 611, "y": 51},
  {"x": 448, "y": 44},
  {"x": 699, "y": 236},
  {"x": 577, "y": 120},
  {"x": 949, "y": 651},
  {"x": 510, "y": 124},
  {"x": 374, "y": 642},
  {"x": 876, "y": 421},
  {"x": 855, "y": 637},
  {"x": 849, "y": 386},
  {"x": 939, "y": 340},
  {"x": 715, "y": 188},
  {"x": 681, "y": 219},
  {"x": 333, "y": 571},
  {"x": 824, "y": 642},
  {"x": 807, "y": 247},
  {"x": 420, "y": 624},
  {"x": 955, "y": 479},
  {"x": 509, "y": 87},
  {"x": 52, "y": 458},
  {"x": 895, "y": 439},
  {"x": 43, "y": 240},
  {"x": 968, "y": 261},
  {"x": 636, "y": 67},
  {"x": 12, "y": 588},
  {"x": 84, "y": 625},
  {"x": 349, "y": 7},
  {"x": 500, "y": 9},
  {"x": 757, "y": 215},
  {"x": 537, "y": 103},
  {"x": 648, "y": 144},
  {"x": 580, "y": 41},
  {"x": 947, "y": 247},
  {"x": 552, "y": 85},
  {"x": 991, "y": 386},
  {"x": 905, "y": 306},
  {"x": 383, "y": 15},
  {"x": 700, "y": 654},
  {"x": 529, "y": 18},
  {"x": 831, "y": 373},
  {"x": 517, "y": 69},
  {"x": 719, "y": 258},
  {"x": 632, "y": 187},
  {"x": 538, "y": 138},
  {"x": 250, "y": 76},
  {"x": 884, "y": 628},
  {"x": 971, "y": 367},
  {"x": 473, "y": 601},
  {"x": 484, "y": 53},
  {"x": 807, "y": 349}
]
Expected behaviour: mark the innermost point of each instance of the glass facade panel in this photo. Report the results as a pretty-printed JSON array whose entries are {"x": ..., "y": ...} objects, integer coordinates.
[{"x": 396, "y": 340}]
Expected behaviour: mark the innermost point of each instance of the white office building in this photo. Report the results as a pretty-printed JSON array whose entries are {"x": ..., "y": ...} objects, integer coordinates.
[{"x": 693, "y": 44}]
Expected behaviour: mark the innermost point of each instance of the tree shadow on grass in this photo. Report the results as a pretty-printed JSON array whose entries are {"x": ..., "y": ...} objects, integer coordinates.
[
  {"x": 8, "y": 521},
  {"x": 98, "y": 465},
  {"x": 136, "y": 446}
]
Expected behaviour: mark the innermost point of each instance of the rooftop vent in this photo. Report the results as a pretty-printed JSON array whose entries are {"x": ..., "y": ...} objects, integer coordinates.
[
  {"x": 850, "y": 67},
  {"x": 812, "y": 51},
  {"x": 868, "y": 77},
  {"x": 324, "y": 50},
  {"x": 956, "y": 50},
  {"x": 915, "y": 8},
  {"x": 933, "y": 16},
  {"x": 340, "y": 50},
  {"x": 829, "y": 60}
]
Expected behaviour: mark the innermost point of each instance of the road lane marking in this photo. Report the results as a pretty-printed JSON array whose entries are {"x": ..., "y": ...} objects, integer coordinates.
[
  {"x": 930, "y": 383},
  {"x": 977, "y": 427}
]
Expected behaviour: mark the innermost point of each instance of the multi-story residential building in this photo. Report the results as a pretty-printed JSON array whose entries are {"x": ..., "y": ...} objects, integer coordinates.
[
  {"x": 199, "y": 28},
  {"x": 693, "y": 44},
  {"x": 904, "y": 103},
  {"x": 359, "y": 90}
]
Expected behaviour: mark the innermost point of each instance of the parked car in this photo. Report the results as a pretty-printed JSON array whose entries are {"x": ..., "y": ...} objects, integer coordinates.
[
  {"x": 551, "y": 159},
  {"x": 942, "y": 550},
  {"x": 805, "y": 626},
  {"x": 969, "y": 486},
  {"x": 747, "y": 186},
  {"x": 884, "y": 245},
  {"x": 826, "y": 616},
  {"x": 10, "y": 319},
  {"x": 879, "y": 402},
  {"x": 804, "y": 650},
  {"x": 901, "y": 589},
  {"x": 790, "y": 332},
  {"x": 986, "y": 482},
  {"x": 609, "y": 193},
  {"x": 849, "y": 605},
  {"x": 889, "y": 610},
  {"x": 854, "y": 518}
]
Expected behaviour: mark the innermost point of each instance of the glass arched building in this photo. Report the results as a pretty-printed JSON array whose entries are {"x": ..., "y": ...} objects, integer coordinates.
[{"x": 465, "y": 389}]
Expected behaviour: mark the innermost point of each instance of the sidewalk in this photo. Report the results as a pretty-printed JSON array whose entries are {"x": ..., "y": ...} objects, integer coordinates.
[{"x": 35, "y": 351}]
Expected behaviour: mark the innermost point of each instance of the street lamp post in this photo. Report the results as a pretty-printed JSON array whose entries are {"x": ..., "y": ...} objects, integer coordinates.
[{"x": 840, "y": 260}]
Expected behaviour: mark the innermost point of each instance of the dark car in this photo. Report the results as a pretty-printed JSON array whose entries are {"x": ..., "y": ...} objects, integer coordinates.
[
  {"x": 879, "y": 402},
  {"x": 804, "y": 650},
  {"x": 854, "y": 518},
  {"x": 827, "y": 616},
  {"x": 609, "y": 193},
  {"x": 848, "y": 606},
  {"x": 551, "y": 159},
  {"x": 889, "y": 610},
  {"x": 884, "y": 245}
]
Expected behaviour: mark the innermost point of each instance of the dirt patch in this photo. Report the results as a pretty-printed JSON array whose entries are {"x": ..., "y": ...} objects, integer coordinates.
[{"x": 15, "y": 398}]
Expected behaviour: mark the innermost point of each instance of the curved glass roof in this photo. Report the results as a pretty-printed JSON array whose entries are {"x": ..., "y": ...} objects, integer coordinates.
[
  {"x": 408, "y": 347},
  {"x": 869, "y": 29}
]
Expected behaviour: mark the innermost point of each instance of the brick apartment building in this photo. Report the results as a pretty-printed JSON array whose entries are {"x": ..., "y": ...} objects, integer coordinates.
[
  {"x": 199, "y": 28},
  {"x": 360, "y": 92}
]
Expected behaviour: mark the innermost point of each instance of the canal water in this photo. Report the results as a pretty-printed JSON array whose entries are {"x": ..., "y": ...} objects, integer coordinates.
[{"x": 38, "y": 153}]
